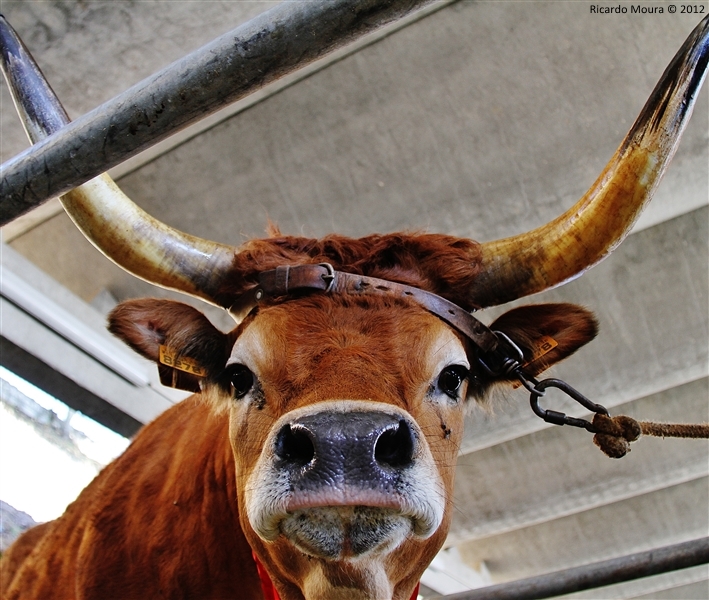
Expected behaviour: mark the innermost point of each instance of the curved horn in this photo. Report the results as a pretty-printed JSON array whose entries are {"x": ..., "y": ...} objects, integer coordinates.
[
  {"x": 121, "y": 230},
  {"x": 591, "y": 229}
]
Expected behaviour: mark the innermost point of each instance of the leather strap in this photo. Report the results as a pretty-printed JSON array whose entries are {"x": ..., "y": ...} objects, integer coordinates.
[{"x": 283, "y": 281}]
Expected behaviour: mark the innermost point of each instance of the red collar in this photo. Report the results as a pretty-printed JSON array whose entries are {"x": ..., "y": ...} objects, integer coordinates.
[{"x": 270, "y": 593}]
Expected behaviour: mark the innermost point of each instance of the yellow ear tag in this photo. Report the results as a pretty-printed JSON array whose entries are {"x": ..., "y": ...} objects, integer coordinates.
[
  {"x": 183, "y": 363},
  {"x": 544, "y": 345}
]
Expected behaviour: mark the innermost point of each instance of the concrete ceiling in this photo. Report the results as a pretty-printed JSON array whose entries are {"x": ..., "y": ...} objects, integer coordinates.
[{"x": 476, "y": 119}]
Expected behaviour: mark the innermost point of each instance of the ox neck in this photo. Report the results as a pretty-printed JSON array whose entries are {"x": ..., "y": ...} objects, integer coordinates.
[{"x": 269, "y": 590}]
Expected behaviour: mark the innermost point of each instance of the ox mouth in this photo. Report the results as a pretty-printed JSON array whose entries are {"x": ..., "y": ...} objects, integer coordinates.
[
  {"x": 344, "y": 522},
  {"x": 337, "y": 532}
]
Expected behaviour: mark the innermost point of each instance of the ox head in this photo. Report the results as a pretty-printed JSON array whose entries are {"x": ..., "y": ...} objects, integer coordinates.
[
  {"x": 346, "y": 409},
  {"x": 346, "y": 415}
]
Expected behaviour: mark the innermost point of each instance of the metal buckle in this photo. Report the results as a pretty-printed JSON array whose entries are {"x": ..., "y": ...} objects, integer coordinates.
[
  {"x": 328, "y": 277},
  {"x": 508, "y": 361}
]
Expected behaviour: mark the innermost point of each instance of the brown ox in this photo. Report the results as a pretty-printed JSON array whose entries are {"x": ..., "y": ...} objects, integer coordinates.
[{"x": 325, "y": 436}]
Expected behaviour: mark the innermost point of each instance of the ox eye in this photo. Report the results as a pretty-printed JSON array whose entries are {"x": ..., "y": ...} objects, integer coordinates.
[
  {"x": 241, "y": 380},
  {"x": 450, "y": 380}
]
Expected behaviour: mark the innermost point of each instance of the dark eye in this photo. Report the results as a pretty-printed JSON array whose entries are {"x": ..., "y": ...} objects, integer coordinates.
[
  {"x": 450, "y": 380},
  {"x": 241, "y": 380}
]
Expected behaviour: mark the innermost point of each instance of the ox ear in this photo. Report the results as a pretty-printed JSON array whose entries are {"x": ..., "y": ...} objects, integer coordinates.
[
  {"x": 179, "y": 338},
  {"x": 547, "y": 333}
]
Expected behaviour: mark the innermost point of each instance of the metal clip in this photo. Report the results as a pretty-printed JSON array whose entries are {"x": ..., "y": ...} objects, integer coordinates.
[
  {"x": 553, "y": 416},
  {"x": 506, "y": 358}
]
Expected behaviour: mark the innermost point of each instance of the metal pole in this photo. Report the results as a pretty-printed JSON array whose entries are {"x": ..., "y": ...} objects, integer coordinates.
[
  {"x": 617, "y": 570},
  {"x": 279, "y": 41}
]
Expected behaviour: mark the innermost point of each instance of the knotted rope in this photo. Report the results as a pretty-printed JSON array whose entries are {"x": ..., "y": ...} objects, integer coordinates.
[{"x": 614, "y": 434}]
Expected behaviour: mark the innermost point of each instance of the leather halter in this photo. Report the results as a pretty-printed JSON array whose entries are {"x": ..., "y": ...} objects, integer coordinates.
[{"x": 286, "y": 280}]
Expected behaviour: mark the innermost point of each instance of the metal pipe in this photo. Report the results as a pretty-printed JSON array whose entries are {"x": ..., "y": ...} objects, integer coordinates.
[
  {"x": 616, "y": 570},
  {"x": 277, "y": 42}
]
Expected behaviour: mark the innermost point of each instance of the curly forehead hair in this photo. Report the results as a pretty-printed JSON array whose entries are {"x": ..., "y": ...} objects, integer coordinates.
[{"x": 441, "y": 264}]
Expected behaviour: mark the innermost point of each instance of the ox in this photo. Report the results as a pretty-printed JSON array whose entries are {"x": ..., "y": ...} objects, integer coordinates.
[{"x": 318, "y": 455}]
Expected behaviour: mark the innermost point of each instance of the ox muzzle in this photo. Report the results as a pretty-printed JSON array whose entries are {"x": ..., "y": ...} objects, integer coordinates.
[
  {"x": 345, "y": 479},
  {"x": 334, "y": 449}
]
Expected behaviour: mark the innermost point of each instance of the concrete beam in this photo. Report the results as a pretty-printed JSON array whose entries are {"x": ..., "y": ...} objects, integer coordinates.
[
  {"x": 668, "y": 516},
  {"x": 558, "y": 472},
  {"x": 69, "y": 369},
  {"x": 22, "y": 331},
  {"x": 64, "y": 388}
]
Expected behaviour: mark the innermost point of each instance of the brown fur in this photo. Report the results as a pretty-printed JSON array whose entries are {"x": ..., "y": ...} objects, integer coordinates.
[
  {"x": 16, "y": 554},
  {"x": 159, "y": 522},
  {"x": 165, "y": 521}
]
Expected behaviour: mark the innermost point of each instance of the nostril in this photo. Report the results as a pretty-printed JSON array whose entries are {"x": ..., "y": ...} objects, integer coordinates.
[
  {"x": 395, "y": 447},
  {"x": 294, "y": 446}
]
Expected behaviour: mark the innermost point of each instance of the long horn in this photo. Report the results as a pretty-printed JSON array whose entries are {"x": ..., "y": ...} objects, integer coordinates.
[
  {"x": 591, "y": 229},
  {"x": 121, "y": 230}
]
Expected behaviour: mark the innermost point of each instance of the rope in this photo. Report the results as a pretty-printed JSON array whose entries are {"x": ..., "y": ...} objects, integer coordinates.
[
  {"x": 614, "y": 434},
  {"x": 678, "y": 430}
]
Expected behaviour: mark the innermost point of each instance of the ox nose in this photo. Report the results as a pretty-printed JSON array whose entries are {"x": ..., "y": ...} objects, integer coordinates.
[{"x": 344, "y": 449}]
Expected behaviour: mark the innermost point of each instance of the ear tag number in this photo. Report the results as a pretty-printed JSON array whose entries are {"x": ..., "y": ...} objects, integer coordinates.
[
  {"x": 183, "y": 363},
  {"x": 544, "y": 345}
]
